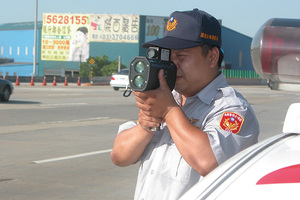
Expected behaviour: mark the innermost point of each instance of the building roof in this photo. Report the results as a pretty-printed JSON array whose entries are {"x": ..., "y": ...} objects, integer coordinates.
[{"x": 20, "y": 26}]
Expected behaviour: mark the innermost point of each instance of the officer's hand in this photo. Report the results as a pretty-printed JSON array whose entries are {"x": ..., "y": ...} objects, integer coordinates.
[
  {"x": 158, "y": 102},
  {"x": 147, "y": 122}
]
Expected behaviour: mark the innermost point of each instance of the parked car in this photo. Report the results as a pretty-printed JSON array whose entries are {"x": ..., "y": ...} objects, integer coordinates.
[
  {"x": 120, "y": 79},
  {"x": 6, "y": 89},
  {"x": 267, "y": 170}
]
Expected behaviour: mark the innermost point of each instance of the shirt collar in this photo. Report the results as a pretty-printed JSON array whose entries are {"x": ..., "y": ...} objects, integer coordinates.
[{"x": 208, "y": 93}]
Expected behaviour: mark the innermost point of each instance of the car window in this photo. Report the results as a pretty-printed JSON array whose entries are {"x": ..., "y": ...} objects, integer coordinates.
[{"x": 123, "y": 72}]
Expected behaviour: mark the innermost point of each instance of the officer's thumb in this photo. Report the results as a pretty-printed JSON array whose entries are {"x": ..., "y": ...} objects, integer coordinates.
[{"x": 162, "y": 80}]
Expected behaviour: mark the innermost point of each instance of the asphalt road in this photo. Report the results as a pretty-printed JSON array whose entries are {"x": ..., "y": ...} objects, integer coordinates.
[{"x": 55, "y": 142}]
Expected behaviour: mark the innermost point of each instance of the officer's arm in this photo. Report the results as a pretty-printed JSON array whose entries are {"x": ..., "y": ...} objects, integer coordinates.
[
  {"x": 192, "y": 143},
  {"x": 130, "y": 144}
]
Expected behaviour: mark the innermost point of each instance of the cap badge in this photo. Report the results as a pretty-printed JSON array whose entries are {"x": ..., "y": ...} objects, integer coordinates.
[{"x": 171, "y": 25}]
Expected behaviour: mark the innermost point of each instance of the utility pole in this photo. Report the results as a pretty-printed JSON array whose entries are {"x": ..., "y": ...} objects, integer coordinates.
[
  {"x": 119, "y": 64},
  {"x": 35, "y": 37}
]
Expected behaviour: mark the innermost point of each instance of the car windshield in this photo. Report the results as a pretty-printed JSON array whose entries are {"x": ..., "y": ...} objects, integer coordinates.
[{"x": 123, "y": 72}]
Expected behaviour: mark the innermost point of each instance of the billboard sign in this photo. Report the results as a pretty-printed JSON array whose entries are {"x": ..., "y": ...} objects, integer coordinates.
[
  {"x": 65, "y": 37},
  {"x": 114, "y": 28},
  {"x": 154, "y": 27}
]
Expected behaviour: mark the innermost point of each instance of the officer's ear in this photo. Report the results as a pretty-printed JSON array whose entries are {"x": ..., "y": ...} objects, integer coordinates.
[{"x": 214, "y": 56}]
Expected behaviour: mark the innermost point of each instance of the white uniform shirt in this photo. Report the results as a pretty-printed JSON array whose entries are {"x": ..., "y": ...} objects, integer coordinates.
[{"x": 219, "y": 111}]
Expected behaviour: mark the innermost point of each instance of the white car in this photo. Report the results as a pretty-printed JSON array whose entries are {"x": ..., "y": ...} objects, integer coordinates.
[
  {"x": 267, "y": 170},
  {"x": 120, "y": 79}
]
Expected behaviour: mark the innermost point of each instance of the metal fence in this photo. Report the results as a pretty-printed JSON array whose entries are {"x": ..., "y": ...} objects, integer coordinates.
[{"x": 246, "y": 74}]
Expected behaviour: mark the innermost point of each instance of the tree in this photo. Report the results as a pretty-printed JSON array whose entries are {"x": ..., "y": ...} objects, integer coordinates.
[
  {"x": 84, "y": 70},
  {"x": 108, "y": 70},
  {"x": 101, "y": 67}
]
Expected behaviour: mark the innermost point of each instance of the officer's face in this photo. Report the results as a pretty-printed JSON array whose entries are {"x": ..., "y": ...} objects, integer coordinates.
[{"x": 193, "y": 70}]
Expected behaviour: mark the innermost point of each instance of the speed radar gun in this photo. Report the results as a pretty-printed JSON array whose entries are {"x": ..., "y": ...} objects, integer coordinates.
[{"x": 143, "y": 71}]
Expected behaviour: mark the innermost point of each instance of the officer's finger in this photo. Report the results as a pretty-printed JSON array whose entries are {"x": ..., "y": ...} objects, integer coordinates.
[{"x": 162, "y": 80}]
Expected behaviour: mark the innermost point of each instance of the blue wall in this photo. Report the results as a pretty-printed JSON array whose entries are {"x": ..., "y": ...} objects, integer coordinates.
[
  {"x": 233, "y": 43},
  {"x": 14, "y": 39},
  {"x": 236, "y": 48},
  {"x": 19, "y": 70},
  {"x": 19, "y": 45}
]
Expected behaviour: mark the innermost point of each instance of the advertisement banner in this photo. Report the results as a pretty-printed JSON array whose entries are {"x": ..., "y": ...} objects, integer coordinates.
[
  {"x": 114, "y": 28},
  {"x": 154, "y": 27},
  {"x": 65, "y": 37}
]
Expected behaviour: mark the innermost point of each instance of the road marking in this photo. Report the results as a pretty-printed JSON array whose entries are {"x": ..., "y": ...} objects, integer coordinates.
[
  {"x": 55, "y": 95},
  {"x": 98, "y": 121},
  {"x": 90, "y": 119},
  {"x": 71, "y": 157},
  {"x": 63, "y": 104},
  {"x": 76, "y": 120}
]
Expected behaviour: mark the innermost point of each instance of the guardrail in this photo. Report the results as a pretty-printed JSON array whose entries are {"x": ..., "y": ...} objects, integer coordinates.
[
  {"x": 243, "y": 74},
  {"x": 59, "y": 79}
]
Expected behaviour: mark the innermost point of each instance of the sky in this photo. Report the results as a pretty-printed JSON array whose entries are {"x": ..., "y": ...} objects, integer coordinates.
[{"x": 243, "y": 16}]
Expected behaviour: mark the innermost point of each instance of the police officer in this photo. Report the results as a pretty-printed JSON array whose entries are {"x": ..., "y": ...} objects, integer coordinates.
[{"x": 203, "y": 121}]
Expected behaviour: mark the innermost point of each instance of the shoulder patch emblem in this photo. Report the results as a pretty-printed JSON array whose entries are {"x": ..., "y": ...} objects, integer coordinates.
[{"x": 231, "y": 122}]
